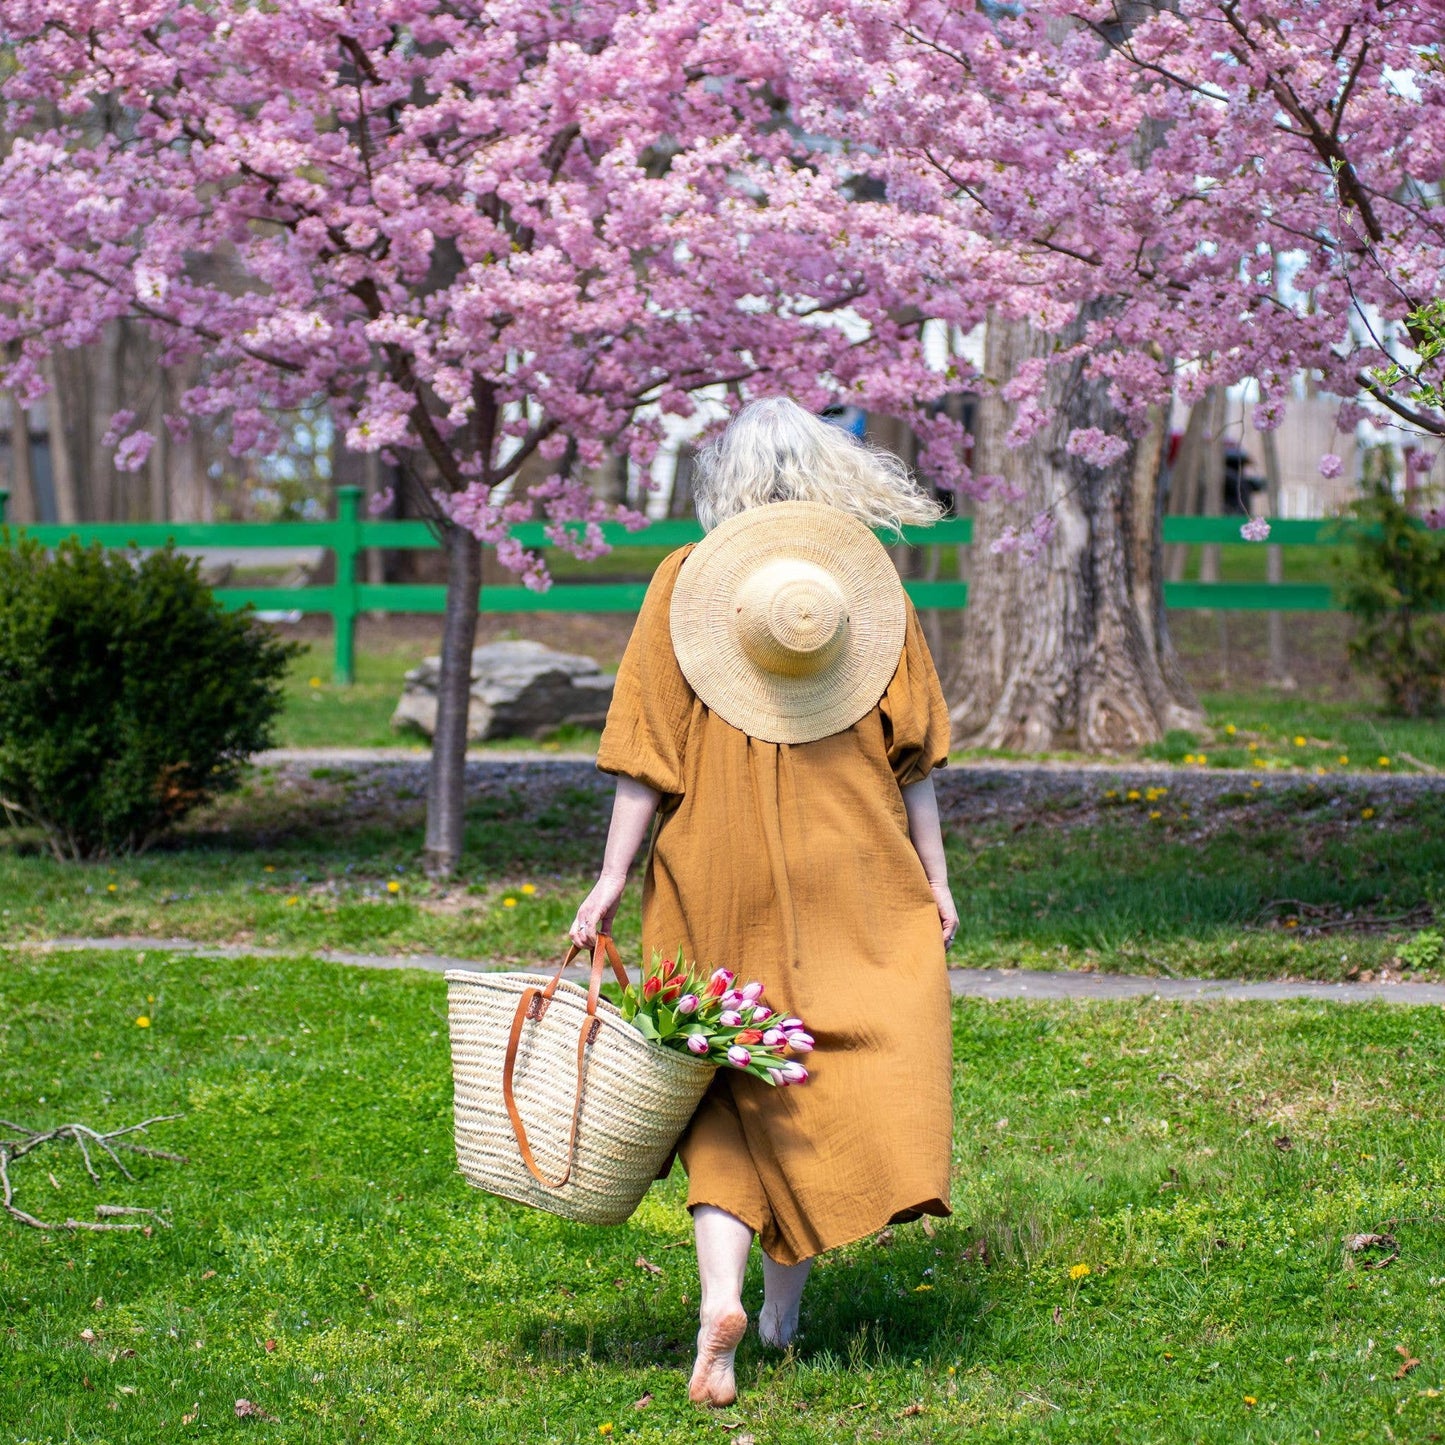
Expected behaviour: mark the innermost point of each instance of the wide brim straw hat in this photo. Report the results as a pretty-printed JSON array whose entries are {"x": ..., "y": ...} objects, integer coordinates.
[{"x": 788, "y": 620}]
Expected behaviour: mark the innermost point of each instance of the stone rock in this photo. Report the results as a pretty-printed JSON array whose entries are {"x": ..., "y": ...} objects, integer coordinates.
[{"x": 519, "y": 689}]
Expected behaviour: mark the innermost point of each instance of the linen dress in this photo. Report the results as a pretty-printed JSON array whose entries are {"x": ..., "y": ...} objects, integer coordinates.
[{"x": 792, "y": 864}]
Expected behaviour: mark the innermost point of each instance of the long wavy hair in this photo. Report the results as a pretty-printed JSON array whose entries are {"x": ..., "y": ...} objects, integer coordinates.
[{"x": 775, "y": 451}]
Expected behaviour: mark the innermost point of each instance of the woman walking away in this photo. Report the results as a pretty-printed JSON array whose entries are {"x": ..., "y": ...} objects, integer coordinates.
[{"x": 777, "y": 709}]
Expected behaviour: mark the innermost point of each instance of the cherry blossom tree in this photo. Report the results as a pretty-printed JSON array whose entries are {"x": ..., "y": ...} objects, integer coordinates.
[
  {"x": 1150, "y": 200},
  {"x": 487, "y": 236}
]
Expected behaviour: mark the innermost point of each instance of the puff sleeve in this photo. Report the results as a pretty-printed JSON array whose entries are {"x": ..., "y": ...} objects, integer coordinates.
[
  {"x": 915, "y": 714},
  {"x": 645, "y": 735}
]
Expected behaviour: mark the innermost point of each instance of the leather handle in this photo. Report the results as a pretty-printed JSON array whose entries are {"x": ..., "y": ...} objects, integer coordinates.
[{"x": 533, "y": 1003}]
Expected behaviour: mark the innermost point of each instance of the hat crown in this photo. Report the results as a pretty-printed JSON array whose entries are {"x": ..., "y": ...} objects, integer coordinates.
[{"x": 791, "y": 616}]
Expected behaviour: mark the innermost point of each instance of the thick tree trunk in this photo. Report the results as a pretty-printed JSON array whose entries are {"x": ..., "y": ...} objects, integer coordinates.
[
  {"x": 23, "y": 509},
  {"x": 1070, "y": 650},
  {"x": 446, "y": 787}
]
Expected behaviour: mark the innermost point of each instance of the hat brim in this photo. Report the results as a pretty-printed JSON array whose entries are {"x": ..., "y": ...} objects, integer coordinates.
[{"x": 704, "y": 632}]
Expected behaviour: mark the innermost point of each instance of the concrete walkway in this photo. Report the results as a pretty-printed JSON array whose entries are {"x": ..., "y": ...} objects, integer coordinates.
[{"x": 991, "y": 983}]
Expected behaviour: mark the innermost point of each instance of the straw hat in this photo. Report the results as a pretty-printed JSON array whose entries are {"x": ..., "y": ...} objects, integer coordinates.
[{"x": 788, "y": 620}]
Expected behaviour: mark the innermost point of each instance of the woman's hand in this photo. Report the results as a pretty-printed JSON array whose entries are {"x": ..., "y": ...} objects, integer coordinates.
[
  {"x": 598, "y": 910},
  {"x": 947, "y": 913}
]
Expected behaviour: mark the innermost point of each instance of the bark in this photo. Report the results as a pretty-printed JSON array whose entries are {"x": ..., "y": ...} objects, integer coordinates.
[
  {"x": 446, "y": 785},
  {"x": 1279, "y": 673},
  {"x": 1072, "y": 649},
  {"x": 22, "y": 509},
  {"x": 62, "y": 469}
]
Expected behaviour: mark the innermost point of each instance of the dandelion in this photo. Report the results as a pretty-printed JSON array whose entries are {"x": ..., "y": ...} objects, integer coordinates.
[
  {"x": 1260, "y": 763},
  {"x": 143, "y": 1021},
  {"x": 1111, "y": 792},
  {"x": 1079, "y": 1271},
  {"x": 529, "y": 889},
  {"x": 292, "y": 901},
  {"x": 1367, "y": 813},
  {"x": 604, "y": 1429},
  {"x": 313, "y": 682},
  {"x": 110, "y": 887},
  {"x": 269, "y": 868},
  {"x": 1343, "y": 760},
  {"x": 1299, "y": 742},
  {"x": 1255, "y": 783},
  {"x": 1230, "y": 729},
  {"x": 509, "y": 902},
  {"x": 1202, "y": 760},
  {"x": 1188, "y": 757},
  {"x": 1291, "y": 923},
  {"x": 1382, "y": 762},
  {"x": 1254, "y": 747},
  {"x": 1132, "y": 795},
  {"x": 150, "y": 998},
  {"x": 393, "y": 886},
  {"x": 1250, "y": 1400},
  {"x": 1155, "y": 816},
  {"x": 922, "y": 1288}
]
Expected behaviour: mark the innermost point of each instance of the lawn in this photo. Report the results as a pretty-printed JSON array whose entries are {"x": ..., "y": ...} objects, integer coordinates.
[
  {"x": 1185, "y": 874},
  {"x": 1151, "y": 1202}
]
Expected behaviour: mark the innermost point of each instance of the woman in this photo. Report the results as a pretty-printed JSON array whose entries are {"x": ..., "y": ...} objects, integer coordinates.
[{"x": 816, "y": 866}]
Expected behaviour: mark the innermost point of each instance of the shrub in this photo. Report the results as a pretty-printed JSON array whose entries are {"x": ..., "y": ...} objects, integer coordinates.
[
  {"x": 128, "y": 697},
  {"x": 1393, "y": 583}
]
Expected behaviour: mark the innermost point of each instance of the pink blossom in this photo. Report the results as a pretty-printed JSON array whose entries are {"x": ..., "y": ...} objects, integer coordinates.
[
  {"x": 687, "y": 1004},
  {"x": 1434, "y": 519},
  {"x": 760, "y": 1012},
  {"x": 791, "y": 1023},
  {"x": 697, "y": 1043},
  {"x": 1096, "y": 446},
  {"x": 380, "y": 501},
  {"x": 802, "y": 1042},
  {"x": 794, "y": 1072},
  {"x": 772, "y": 1038},
  {"x": 753, "y": 992},
  {"x": 131, "y": 454},
  {"x": 1255, "y": 530},
  {"x": 1331, "y": 465},
  {"x": 730, "y": 1018},
  {"x": 739, "y": 1057}
]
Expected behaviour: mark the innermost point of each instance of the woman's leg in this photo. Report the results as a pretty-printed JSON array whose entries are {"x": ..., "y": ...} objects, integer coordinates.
[
  {"x": 723, "y": 1242},
  {"x": 782, "y": 1294}
]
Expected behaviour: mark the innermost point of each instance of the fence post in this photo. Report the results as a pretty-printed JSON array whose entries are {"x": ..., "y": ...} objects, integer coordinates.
[{"x": 343, "y": 614}]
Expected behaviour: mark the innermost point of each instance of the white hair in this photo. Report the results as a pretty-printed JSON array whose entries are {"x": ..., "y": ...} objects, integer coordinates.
[{"x": 775, "y": 451}]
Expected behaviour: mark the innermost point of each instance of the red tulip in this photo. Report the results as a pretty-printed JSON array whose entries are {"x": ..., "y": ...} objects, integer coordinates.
[
  {"x": 651, "y": 988},
  {"x": 671, "y": 990},
  {"x": 750, "y": 1036}
]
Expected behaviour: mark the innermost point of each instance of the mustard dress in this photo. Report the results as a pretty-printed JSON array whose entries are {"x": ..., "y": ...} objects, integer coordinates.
[{"x": 791, "y": 864}]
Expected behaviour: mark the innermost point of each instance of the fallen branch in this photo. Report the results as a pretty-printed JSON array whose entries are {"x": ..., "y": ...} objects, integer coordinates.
[{"x": 84, "y": 1138}]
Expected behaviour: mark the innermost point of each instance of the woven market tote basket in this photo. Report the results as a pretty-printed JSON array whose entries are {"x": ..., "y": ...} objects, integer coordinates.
[{"x": 560, "y": 1102}]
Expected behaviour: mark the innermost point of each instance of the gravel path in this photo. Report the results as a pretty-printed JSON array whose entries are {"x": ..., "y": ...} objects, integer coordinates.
[{"x": 991, "y": 983}]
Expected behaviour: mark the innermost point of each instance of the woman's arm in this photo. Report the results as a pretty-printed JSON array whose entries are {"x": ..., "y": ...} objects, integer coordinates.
[
  {"x": 927, "y": 835},
  {"x": 632, "y": 810}
]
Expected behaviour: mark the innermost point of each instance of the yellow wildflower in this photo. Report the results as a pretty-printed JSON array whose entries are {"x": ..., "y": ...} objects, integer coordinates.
[
  {"x": 1188, "y": 757},
  {"x": 1250, "y": 1400},
  {"x": 1201, "y": 760},
  {"x": 269, "y": 868},
  {"x": 1344, "y": 760},
  {"x": 1155, "y": 815},
  {"x": 143, "y": 1022},
  {"x": 1291, "y": 923},
  {"x": 1230, "y": 729},
  {"x": 922, "y": 1288},
  {"x": 1382, "y": 762},
  {"x": 313, "y": 682},
  {"x": 509, "y": 903},
  {"x": 1132, "y": 795},
  {"x": 110, "y": 887},
  {"x": 1260, "y": 763},
  {"x": 1367, "y": 813},
  {"x": 1078, "y": 1271},
  {"x": 1254, "y": 747},
  {"x": 529, "y": 889},
  {"x": 1255, "y": 783},
  {"x": 292, "y": 901},
  {"x": 1299, "y": 742},
  {"x": 604, "y": 1429},
  {"x": 393, "y": 886}
]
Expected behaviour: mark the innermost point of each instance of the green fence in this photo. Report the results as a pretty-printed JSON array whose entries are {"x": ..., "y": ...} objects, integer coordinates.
[{"x": 349, "y": 535}]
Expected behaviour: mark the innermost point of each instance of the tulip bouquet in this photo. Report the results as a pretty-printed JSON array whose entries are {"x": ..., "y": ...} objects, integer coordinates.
[{"x": 679, "y": 1008}]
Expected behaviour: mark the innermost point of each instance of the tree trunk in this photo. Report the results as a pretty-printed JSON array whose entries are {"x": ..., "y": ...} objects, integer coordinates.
[
  {"x": 62, "y": 470},
  {"x": 23, "y": 509},
  {"x": 1070, "y": 650},
  {"x": 446, "y": 786}
]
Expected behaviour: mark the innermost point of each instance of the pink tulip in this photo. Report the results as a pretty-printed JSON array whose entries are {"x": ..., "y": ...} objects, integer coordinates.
[
  {"x": 730, "y": 1018},
  {"x": 717, "y": 985},
  {"x": 773, "y": 1037},
  {"x": 776, "y": 1075},
  {"x": 697, "y": 1043},
  {"x": 688, "y": 1003},
  {"x": 740, "y": 1058},
  {"x": 794, "y": 1072},
  {"x": 800, "y": 1041},
  {"x": 753, "y": 992},
  {"x": 731, "y": 999},
  {"x": 792, "y": 1024},
  {"x": 761, "y": 1012}
]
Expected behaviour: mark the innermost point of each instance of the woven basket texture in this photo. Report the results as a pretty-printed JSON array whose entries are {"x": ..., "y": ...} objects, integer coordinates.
[{"x": 637, "y": 1098}]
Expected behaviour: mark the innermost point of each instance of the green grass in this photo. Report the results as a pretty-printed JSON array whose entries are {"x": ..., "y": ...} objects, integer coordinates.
[
  {"x": 326, "y": 1262},
  {"x": 323, "y": 714},
  {"x": 1249, "y": 883}
]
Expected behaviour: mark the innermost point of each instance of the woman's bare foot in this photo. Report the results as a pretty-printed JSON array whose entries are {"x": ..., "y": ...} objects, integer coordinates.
[
  {"x": 775, "y": 1327},
  {"x": 713, "y": 1382}
]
